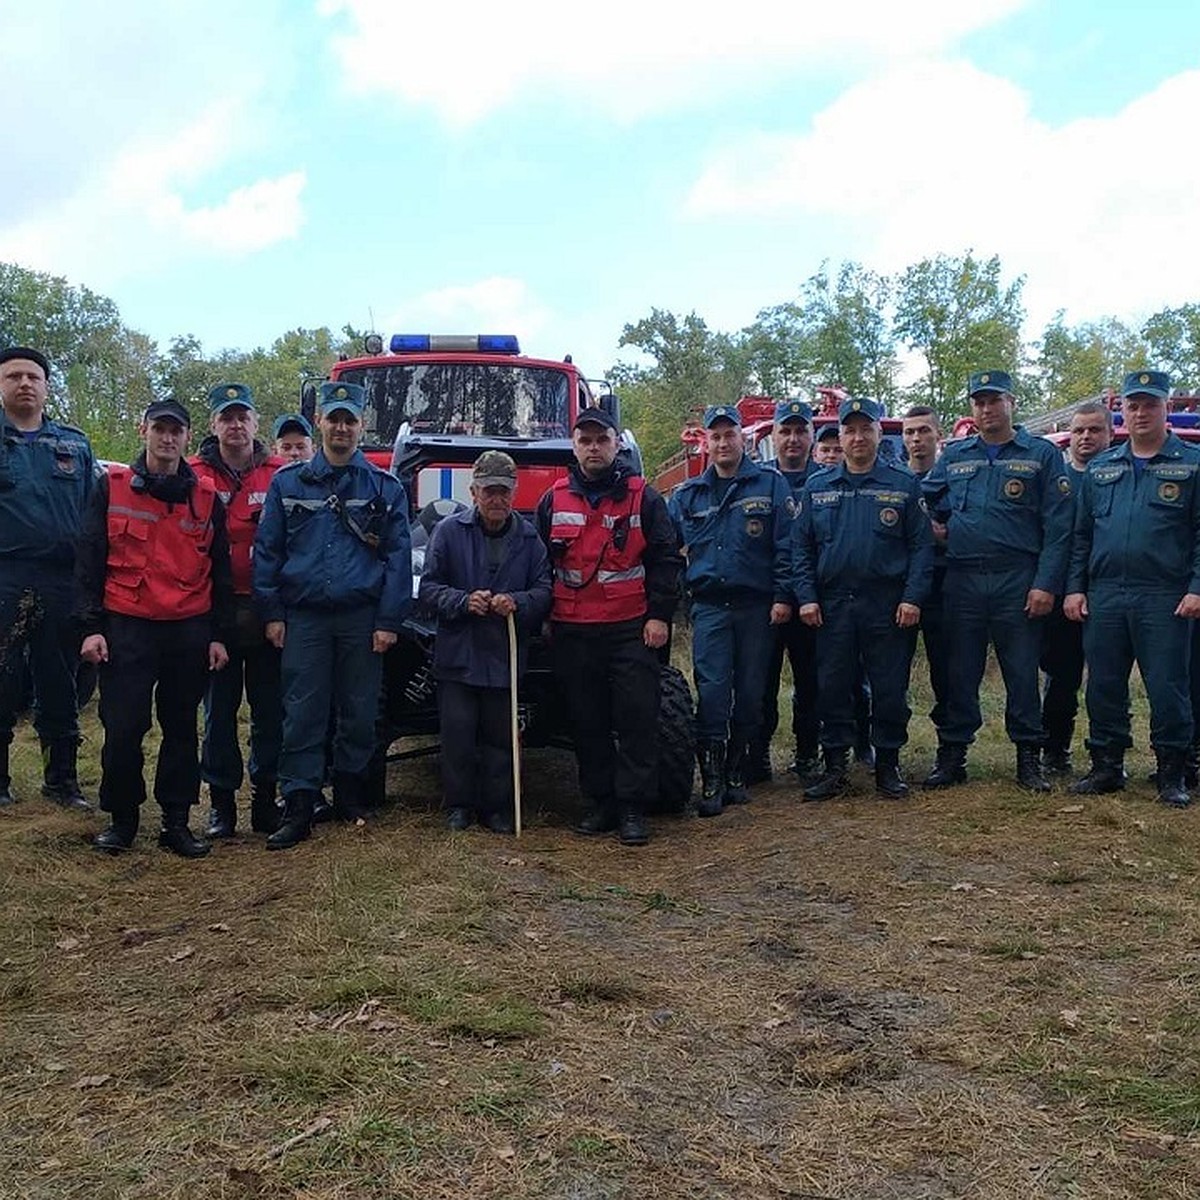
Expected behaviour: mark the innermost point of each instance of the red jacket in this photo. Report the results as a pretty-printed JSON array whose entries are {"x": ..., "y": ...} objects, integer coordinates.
[
  {"x": 159, "y": 566},
  {"x": 243, "y": 497},
  {"x": 597, "y": 555}
]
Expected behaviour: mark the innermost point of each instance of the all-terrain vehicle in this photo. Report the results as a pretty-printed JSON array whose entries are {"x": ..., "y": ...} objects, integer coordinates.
[{"x": 433, "y": 405}]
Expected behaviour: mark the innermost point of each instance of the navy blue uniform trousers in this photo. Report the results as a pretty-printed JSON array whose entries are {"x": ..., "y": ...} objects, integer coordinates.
[{"x": 731, "y": 649}]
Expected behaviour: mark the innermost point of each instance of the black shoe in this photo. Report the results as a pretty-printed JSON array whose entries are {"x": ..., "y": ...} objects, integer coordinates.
[
  {"x": 864, "y": 754},
  {"x": 806, "y": 766},
  {"x": 61, "y": 784},
  {"x": 265, "y": 813},
  {"x": 322, "y": 810},
  {"x": 498, "y": 821},
  {"x": 757, "y": 765},
  {"x": 118, "y": 836},
  {"x": 734, "y": 778},
  {"x": 596, "y": 819},
  {"x": 458, "y": 819},
  {"x": 632, "y": 828},
  {"x": 834, "y": 781},
  {"x": 711, "y": 756},
  {"x": 1056, "y": 761},
  {"x": 889, "y": 783},
  {"x": 949, "y": 769},
  {"x": 222, "y": 815},
  {"x": 1107, "y": 775},
  {"x": 1172, "y": 767},
  {"x": 179, "y": 839},
  {"x": 297, "y": 822},
  {"x": 1029, "y": 769},
  {"x": 349, "y": 797}
]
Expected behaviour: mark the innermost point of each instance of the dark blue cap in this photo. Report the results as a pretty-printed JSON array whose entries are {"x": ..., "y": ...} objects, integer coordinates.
[
  {"x": 226, "y": 395},
  {"x": 825, "y": 432},
  {"x": 990, "y": 381},
  {"x": 29, "y": 354},
  {"x": 859, "y": 406},
  {"x": 792, "y": 410},
  {"x": 721, "y": 412},
  {"x": 336, "y": 396},
  {"x": 595, "y": 415},
  {"x": 290, "y": 421},
  {"x": 171, "y": 409},
  {"x": 1147, "y": 383}
]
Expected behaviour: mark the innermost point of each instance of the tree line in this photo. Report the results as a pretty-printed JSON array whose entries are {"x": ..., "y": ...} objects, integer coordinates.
[{"x": 907, "y": 338}]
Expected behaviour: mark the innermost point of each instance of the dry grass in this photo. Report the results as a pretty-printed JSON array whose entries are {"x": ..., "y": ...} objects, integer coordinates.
[{"x": 972, "y": 994}]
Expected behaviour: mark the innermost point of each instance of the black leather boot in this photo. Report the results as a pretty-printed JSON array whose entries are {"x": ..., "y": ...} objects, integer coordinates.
[
  {"x": 950, "y": 768},
  {"x": 711, "y": 757},
  {"x": 889, "y": 783},
  {"x": 1056, "y": 760},
  {"x": 349, "y": 800},
  {"x": 757, "y": 765},
  {"x": 1107, "y": 775},
  {"x": 265, "y": 813},
  {"x": 178, "y": 838},
  {"x": 735, "y": 779},
  {"x": 222, "y": 813},
  {"x": 61, "y": 780},
  {"x": 296, "y": 825},
  {"x": 1029, "y": 768},
  {"x": 598, "y": 817},
  {"x": 120, "y": 833},
  {"x": 1172, "y": 766},
  {"x": 631, "y": 829},
  {"x": 806, "y": 764},
  {"x": 834, "y": 780}
]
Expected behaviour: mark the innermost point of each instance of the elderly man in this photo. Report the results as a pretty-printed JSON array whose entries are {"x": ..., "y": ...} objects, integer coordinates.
[
  {"x": 1135, "y": 584},
  {"x": 616, "y": 583},
  {"x": 864, "y": 561},
  {"x": 791, "y": 438},
  {"x": 46, "y": 479},
  {"x": 1005, "y": 499},
  {"x": 155, "y": 601},
  {"x": 482, "y": 565},
  {"x": 333, "y": 581},
  {"x": 735, "y": 524},
  {"x": 240, "y": 469}
]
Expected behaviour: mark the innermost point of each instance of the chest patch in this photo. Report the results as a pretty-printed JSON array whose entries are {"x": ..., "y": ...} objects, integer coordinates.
[
  {"x": 1168, "y": 490},
  {"x": 1014, "y": 489},
  {"x": 888, "y": 517}
]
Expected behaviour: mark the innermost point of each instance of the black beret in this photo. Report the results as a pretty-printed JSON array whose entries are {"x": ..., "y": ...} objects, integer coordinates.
[{"x": 29, "y": 354}]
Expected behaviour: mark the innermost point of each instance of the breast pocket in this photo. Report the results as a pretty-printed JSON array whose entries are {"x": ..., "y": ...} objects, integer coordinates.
[
  {"x": 1017, "y": 489},
  {"x": 1102, "y": 498},
  {"x": 960, "y": 482}
]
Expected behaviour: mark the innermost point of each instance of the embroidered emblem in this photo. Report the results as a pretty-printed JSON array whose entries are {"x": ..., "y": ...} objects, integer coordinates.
[
  {"x": 231, "y": 393},
  {"x": 1143, "y": 378},
  {"x": 754, "y": 527},
  {"x": 888, "y": 517},
  {"x": 1064, "y": 486},
  {"x": 985, "y": 378},
  {"x": 1014, "y": 489},
  {"x": 1168, "y": 491}
]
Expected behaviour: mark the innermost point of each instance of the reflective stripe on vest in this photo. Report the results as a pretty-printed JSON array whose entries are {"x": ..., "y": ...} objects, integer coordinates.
[
  {"x": 158, "y": 553},
  {"x": 597, "y": 554},
  {"x": 243, "y": 506}
]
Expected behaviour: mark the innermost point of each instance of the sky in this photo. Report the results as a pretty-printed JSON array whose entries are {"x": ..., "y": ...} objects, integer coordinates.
[{"x": 234, "y": 170}]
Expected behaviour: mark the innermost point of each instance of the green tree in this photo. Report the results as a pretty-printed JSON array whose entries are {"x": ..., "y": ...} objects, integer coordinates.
[
  {"x": 960, "y": 316},
  {"x": 1075, "y": 362},
  {"x": 1173, "y": 344}
]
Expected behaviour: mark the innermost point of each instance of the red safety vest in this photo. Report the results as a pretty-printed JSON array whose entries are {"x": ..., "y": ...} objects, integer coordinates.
[
  {"x": 158, "y": 554},
  {"x": 598, "y": 571},
  {"x": 243, "y": 500}
]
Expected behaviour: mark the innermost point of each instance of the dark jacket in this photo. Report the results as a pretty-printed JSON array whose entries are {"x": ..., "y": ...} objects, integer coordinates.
[
  {"x": 662, "y": 560},
  {"x": 474, "y": 650},
  {"x": 91, "y": 551}
]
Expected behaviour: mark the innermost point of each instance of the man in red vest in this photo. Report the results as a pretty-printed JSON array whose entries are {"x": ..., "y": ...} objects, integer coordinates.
[
  {"x": 155, "y": 599},
  {"x": 240, "y": 468},
  {"x": 616, "y": 568}
]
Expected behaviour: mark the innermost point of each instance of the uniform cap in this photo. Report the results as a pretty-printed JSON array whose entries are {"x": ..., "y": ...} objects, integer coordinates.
[
  {"x": 171, "y": 409},
  {"x": 721, "y": 412},
  {"x": 990, "y": 381},
  {"x": 336, "y": 395},
  {"x": 826, "y": 432},
  {"x": 860, "y": 406},
  {"x": 594, "y": 415},
  {"x": 29, "y": 354},
  {"x": 793, "y": 410},
  {"x": 1147, "y": 383},
  {"x": 226, "y": 395},
  {"x": 494, "y": 468},
  {"x": 290, "y": 421}
]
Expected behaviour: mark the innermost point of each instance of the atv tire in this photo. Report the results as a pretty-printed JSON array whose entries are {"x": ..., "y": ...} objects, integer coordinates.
[{"x": 676, "y": 743}]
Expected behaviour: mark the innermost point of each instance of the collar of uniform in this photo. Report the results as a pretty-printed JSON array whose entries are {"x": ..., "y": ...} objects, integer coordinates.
[
  {"x": 746, "y": 468},
  {"x": 321, "y": 468},
  {"x": 210, "y": 453},
  {"x": 1173, "y": 447},
  {"x": 842, "y": 472}
]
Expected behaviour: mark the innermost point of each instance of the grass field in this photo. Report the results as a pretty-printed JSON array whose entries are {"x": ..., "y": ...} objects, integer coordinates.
[{"x": 976, "y": 993}]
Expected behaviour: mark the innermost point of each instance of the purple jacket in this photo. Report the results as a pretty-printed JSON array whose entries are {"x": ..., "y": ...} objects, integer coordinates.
[{"x": 474, "y": 650}]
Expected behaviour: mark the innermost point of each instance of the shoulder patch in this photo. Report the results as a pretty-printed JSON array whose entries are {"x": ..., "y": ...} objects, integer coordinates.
[{"x": 1064, "y": 485}]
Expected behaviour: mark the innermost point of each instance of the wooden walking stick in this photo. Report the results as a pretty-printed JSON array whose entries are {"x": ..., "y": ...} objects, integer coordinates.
[{"x": 516, "y": 736}]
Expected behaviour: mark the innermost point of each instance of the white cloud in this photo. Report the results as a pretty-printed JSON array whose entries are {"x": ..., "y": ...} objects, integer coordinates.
[
  {"x": 626, "y": 57},
  {"x": 499, "y": 304},
  {"x": 1099, "y": 214}
]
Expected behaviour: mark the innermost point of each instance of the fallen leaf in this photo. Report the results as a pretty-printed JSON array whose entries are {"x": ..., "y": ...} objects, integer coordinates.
[
  {"x": 68, "y": 943},
  {"x": 180, "y": 955},
  {"x": 962, "y": 886},
  {"x": 381, "y": 1026},
  {"x": 218, "y": 927},
  {"x": 506, "y": 1153},
  {"x": 1069, "y": 1018},
  {"x": 1071, "y": 808},
  {"x": 91, "y": 1081},
  {"x": 490, "y": 1043},
  {"x": 52, "y": 1064},
  {"x": 50, "y": 1164},
  {"x": 1027, "y": 955},
  {"x": 512, "y": 862}
]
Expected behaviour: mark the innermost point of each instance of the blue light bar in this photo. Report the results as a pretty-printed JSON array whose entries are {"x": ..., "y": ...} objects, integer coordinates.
[{"x": 484, "y": 343}]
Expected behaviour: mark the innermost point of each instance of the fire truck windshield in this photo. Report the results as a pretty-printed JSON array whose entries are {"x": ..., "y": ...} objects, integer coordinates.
[{"x": 474, "y": 399}]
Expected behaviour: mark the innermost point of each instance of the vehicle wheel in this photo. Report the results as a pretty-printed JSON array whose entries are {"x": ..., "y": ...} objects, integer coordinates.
[{"x": 676, "y": 743}]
